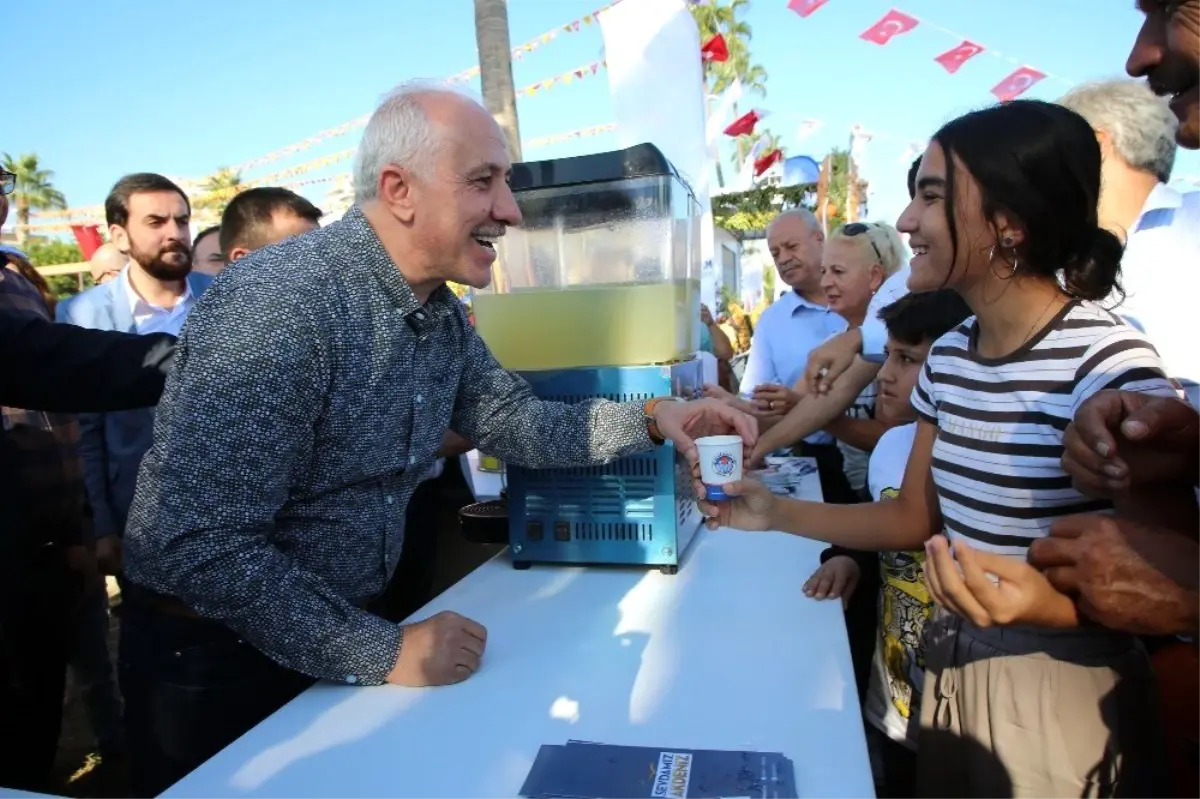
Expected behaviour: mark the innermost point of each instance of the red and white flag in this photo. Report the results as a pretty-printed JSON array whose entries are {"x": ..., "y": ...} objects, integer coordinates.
[
  {"x": 89, "y": 239},
  {"x": 744, "y": 125},
  {"x": 806, "y": 7},
  {"x": 952, "y": 59},
  {"x": 767, "y": 161},
  {"x": 715, "y": 49},
  {"x": 1016, "y": 84},
  {"x": 893, "y": 23}
]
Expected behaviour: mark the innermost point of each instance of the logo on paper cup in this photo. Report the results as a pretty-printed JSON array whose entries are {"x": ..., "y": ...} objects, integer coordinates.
[{"x": 723, "y": 464}]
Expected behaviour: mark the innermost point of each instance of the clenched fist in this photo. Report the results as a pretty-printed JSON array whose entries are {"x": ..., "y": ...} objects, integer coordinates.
[{"x": 445, "y": 648}]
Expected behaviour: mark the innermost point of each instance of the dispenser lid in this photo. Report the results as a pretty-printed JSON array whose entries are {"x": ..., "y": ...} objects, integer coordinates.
[{"x": 641, "y": 160}]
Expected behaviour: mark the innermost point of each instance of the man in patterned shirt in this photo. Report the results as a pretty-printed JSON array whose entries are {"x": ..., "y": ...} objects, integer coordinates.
[{"x": 310, "y": 393}]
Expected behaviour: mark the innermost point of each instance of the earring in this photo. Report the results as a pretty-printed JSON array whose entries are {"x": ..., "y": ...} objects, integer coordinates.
[{"x": 1007, "y": 242}]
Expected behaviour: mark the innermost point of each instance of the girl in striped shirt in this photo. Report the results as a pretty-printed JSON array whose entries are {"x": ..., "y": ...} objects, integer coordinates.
[{"x": 1022, "y": 697}]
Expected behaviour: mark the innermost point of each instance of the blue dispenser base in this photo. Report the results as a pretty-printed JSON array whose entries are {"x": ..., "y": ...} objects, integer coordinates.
[{"x": 636, "y": 511}]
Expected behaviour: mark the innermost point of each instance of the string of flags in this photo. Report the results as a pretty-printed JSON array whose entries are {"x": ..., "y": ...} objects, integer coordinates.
[
  {"x": 93, "y": 212},
  {"x": 346, "y": 127},
  {"x": 897, "y": 23},
  {"x": 567, "y": 77}
]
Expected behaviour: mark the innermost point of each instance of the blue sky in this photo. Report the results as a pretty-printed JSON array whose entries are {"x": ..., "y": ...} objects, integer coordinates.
[{"x": 132, "y": 86}]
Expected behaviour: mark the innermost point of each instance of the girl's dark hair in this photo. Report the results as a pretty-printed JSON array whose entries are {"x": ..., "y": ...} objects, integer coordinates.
[
  {"x": 1039, "y": 163},
  {"x": 912, "y": 177}
]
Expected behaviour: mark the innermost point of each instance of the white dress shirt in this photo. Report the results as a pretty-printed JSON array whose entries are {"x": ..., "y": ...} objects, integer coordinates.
[
  {"x": 788, "y": 330},
  {"x": 874, "y": 331},
  {"x": 1159, "y": 272},
  {"x": 148, "y": 318}
]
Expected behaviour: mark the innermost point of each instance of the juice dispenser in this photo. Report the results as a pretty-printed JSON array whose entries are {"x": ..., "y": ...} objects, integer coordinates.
[{"x": 597, "y": 294}]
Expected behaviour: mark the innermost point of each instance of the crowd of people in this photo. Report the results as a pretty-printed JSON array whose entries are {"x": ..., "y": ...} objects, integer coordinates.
[{"x": 1008, "y": 462}]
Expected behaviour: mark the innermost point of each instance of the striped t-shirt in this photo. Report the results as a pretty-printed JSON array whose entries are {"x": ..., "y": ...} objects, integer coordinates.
[
  {"x": 854, "y": 461},
  {"x": 997, "y": 460}
]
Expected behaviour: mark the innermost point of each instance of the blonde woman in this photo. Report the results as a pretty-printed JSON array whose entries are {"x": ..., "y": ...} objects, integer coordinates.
[{"x": 857, "y": 259}]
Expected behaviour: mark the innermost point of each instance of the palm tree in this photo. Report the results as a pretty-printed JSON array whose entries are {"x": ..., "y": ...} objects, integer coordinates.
[
  {"x": 34, "y": 191},
  {"x": 722, "y": 16},
  {"x": 495, "y": 69},
  {"x": 219, "y": 188}
]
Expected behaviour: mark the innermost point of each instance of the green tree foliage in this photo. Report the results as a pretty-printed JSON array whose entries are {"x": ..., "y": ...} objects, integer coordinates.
[
  {"x": 35, "y": 191},
  {"x": 724, "y": 17},
  {"x": 768, "y": 283},
  {"x": 752, "y": 210},
  {"x": 52, "y": 252}
]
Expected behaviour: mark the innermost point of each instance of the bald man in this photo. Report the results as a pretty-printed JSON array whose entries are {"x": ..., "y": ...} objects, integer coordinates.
[{"x": 107, "y": 262}]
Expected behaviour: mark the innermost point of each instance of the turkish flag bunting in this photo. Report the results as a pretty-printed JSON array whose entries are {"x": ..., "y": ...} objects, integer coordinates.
[
  {"x": 715, "y": 49},
  {"x": 893, "y": 23},
  {"x": 763, "y": 164},
  {"x": 951, "y": 60},
  {"x": 744, "y": 125},
  {"x": 806, "y": 7},
  {"x": 89, "y": 239},
  {"x": 1016, "y": 84}
]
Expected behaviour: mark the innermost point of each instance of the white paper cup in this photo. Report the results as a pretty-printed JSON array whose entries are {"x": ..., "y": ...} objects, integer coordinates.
[{"x": 720, "y": 463}]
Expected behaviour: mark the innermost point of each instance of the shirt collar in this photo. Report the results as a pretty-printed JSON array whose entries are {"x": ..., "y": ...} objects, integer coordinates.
[
  {"x": 1159, "y": 208},
  {"x": 135, "y": 300},
  {"x": 365, "y": 240},
  {"x": 798, "y": 301}
]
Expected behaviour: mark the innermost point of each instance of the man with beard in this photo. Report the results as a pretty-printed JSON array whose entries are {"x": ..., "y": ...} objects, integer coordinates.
[{"x": 148, "y": 220}]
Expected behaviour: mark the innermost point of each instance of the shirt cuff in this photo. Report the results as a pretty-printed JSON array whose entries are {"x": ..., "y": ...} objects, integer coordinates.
[{"x": 874, "y": 340}]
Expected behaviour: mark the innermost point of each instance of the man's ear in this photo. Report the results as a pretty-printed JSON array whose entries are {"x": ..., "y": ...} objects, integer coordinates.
[
  {"x": 1106, "y": 144},
  {"x": 118, "y": 236},
  {"x": 397, "y": 191}
]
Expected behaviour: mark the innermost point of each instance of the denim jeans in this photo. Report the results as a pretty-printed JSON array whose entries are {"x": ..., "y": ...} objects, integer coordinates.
[{"x": 191, "y": 688}]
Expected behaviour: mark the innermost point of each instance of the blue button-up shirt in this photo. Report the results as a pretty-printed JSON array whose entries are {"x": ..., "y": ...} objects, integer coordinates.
[
  {"x": 788, "y": 330},
  {"x": 309, "y": 396}
]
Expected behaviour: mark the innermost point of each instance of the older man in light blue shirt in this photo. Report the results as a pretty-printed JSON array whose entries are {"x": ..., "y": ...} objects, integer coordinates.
[
  {"x": 795, "y": 324},
  {"x": 1161, "y": 226}
]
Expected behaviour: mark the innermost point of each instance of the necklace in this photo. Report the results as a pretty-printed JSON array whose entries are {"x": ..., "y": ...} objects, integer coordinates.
[{"x": 1033, "y": 328}]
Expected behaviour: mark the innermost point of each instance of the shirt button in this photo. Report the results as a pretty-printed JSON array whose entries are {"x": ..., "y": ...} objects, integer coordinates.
[
  {"x": 389, "y": 499},
  {"x": 352, "y": 679},
  {"x": 420, "y": 316},
  {"x": 412, "y": 459},
  {"x": 419, "y": 399}
]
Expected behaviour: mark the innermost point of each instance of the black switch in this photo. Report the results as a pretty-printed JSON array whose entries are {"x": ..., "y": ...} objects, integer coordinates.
[
  {"x": 562, "y": 531},
  {"x": 533, "y": 531}
]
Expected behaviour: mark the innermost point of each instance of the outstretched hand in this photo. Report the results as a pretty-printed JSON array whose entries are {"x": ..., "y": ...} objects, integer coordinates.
[
  {"x": 751, "y": 505},
  {"x": 683, "y": 422}
]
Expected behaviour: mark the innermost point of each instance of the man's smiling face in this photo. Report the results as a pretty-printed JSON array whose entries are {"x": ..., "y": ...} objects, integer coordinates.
[{"x": 1167, "y": 54}]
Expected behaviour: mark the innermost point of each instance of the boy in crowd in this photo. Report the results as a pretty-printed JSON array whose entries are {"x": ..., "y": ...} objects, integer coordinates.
[{"x": 894, "y": 657}]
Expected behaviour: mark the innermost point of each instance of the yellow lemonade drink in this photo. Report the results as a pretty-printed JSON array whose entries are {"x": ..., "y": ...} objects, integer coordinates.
[{"x": 590, "y": 325}]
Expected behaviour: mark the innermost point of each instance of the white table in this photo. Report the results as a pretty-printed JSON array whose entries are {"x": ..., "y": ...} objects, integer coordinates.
[{"x": 727, "y": 654}]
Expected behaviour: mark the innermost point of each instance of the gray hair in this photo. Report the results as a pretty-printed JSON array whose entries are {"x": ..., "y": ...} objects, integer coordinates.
[
  {"x": 399, "y": 132},
  {"x": 1139, "y": 123},
  {"x": 799, "y": 212}
]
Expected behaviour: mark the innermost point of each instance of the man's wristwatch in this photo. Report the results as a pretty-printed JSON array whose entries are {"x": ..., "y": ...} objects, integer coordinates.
[{"x": 651, "y": 424}]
